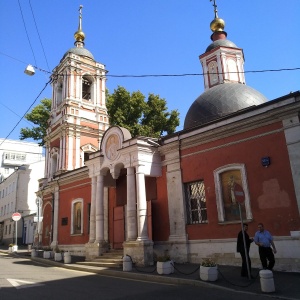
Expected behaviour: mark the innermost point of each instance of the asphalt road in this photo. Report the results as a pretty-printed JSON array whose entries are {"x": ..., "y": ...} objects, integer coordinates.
[{"x": 21, "y": 278}]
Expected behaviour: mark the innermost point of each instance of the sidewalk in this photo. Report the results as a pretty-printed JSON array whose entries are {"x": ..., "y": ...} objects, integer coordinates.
[{"x": 287, "y": 284}]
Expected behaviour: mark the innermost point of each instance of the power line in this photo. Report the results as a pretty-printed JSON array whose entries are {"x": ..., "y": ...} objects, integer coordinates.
[
  {"x": 25, "y": 112},
  {"x": 26, "y": 31},
  {"x": 197, "y": 74},
  {"x": 39, "y": 35},
  {"x": 160, "y": 75},
  {"x": 15, "y": 113}
]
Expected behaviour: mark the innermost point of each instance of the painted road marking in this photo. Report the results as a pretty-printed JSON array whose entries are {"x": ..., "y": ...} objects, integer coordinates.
[{"x": 22, "y": 284}]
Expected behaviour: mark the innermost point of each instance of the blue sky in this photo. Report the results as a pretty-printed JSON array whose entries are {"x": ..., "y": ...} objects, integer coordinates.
[{"x": 140, "y": 37}]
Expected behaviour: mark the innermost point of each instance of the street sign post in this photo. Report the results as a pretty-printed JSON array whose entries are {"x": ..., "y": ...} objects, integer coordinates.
[
  {"x": 239, "y": 193},
  {"x": 16, "y": 217},
  {"x": 240, "y": 198}
]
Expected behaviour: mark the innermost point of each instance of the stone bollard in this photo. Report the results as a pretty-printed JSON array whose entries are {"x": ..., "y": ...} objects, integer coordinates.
[
  {"x": 266, "y": 281},
  {"x": 34, "y": 253},
  {"x": 127, "y": 263},
  {"x": 67, "y": 258}
]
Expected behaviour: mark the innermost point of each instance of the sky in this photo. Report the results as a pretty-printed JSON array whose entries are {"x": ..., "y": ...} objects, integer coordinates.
[{"x": 143, "y": 37}]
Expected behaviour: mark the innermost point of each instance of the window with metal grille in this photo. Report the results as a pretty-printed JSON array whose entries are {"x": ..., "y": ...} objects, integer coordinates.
[{"x": 196, "y": 202}]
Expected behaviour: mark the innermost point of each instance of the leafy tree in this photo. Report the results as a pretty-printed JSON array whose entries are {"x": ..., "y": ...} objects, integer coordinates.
[
  {"x": 131, "y": 111},
  {"x": 140, "y": 117},
  {"x": 38, "y": 116}
]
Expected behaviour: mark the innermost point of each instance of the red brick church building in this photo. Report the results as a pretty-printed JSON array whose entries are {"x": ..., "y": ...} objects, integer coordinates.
[{"x": 104, "y": 189}]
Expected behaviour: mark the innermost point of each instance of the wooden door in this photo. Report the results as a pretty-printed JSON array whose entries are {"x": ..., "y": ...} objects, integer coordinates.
[{"x": 119, "y": 230}]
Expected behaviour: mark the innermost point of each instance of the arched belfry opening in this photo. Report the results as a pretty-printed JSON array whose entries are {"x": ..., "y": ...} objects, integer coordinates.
[{"x": 87, "y": 84}]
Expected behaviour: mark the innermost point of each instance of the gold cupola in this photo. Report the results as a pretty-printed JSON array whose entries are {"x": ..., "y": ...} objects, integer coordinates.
[{"x": 217, "y": 25}]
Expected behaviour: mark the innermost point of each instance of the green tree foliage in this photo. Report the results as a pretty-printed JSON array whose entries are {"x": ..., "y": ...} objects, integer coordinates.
[
  {"x": 38, "y": 116},
  {"x": 141, "y": 117}
]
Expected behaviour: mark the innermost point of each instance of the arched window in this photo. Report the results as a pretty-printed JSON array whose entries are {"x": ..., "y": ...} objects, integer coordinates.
[
  {"x": 86, "y": 151},
  {"x": 59, "y": 93},
  {"x": 226, "y": 178},
  {"x": 213, "y": 72},
  {"x": 232, "y": 70}
]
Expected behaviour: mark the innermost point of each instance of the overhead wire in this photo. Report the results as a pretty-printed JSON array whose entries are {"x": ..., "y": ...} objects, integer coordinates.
[
  {"x": 27, "y": 32},
  {"x": 16, "y": 114},
  {"x": 160, "y": 75},
  {"x": 25, "y": 112},
  {"x": 39, "y": 35}
]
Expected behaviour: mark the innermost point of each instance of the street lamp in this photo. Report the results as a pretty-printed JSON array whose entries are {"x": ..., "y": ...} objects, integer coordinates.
[{"x": 29, "y": 70}]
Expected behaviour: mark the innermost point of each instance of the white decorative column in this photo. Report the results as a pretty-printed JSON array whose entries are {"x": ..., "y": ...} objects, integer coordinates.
[
  {"x": 46, "y": 173},
  {"x": 292, "y": 137},
  {"x": 60, "y": 153},
  {"x": 77, "y": 150},
  {"x": 100, "y": 209},
  {"x": 131, "y": 206},
  {"x": 92, "y": 212},
  {"x": 70, "y": 151},
  {"x": 63, "y": 166},
  {"x": 140, "y": 249},
  {"x": 176, "y": 204},
  {"x": 141, "y": 206}
]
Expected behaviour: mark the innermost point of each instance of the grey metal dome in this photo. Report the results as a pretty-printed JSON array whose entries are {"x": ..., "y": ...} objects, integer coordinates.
[
  {"x": 220, "y": 101},
  {"x": 79, "y": 51},
  {"x": 220, "y": 43}
]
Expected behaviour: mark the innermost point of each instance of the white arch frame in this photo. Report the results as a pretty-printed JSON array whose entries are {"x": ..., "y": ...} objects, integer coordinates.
[
  {"x": 218, "y": 188},
  {"x": 77, "y": 200}
]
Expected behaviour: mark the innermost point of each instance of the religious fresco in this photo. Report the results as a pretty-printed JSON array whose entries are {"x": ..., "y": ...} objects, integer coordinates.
[
  {"x": 112, "y": 145},
  {"x": 228, "y": 181},
  {"x": 77, "y": 218}
]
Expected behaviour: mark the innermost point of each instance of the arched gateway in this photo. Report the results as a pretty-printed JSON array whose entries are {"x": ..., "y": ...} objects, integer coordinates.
[{"x": 121, "y": 202}]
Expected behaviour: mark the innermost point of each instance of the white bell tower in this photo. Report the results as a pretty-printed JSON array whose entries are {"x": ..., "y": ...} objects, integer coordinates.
[
  {"x": 222, "y": 61},
  {"x": 78, "y": 113}
]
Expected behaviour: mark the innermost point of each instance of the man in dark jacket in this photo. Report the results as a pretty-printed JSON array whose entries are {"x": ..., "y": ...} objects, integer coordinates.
[{"x": 241, "y": 249}]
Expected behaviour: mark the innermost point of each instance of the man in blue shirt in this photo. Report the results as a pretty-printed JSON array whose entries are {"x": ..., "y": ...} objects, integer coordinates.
[{"x": 264, "y": 240}]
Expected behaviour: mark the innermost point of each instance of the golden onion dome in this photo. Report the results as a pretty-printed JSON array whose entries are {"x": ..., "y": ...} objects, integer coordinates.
[
  {"x": 79, "y": 36},
  {"x": 217, "y": 24}
]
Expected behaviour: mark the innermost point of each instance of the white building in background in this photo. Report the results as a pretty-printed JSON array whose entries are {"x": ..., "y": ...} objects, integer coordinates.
[
  {"x": 15, "y": 153},
  {"x": 17, "y": 189}
]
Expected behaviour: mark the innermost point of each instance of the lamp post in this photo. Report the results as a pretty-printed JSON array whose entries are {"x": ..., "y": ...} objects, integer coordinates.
[{"x": 38, "y": 201}]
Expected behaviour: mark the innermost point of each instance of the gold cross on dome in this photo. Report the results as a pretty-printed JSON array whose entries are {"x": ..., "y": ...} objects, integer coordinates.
[{"x": 215, "y": 8}]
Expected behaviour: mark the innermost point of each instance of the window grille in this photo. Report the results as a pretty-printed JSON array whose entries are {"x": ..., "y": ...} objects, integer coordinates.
[{"x": 196, "y": 202}]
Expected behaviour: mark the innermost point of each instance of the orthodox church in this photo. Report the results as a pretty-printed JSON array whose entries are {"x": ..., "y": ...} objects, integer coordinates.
[{"x": 184, "y": 194}]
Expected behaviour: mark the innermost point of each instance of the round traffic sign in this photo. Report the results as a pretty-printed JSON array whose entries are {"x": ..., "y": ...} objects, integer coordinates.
[
  {"x": 16, "y": 216},
  {"x": 239, "y": 193}
]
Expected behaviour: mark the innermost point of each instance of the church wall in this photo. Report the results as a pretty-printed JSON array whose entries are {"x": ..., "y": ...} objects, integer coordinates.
[
  {"x": 88, "y": 140},
  {"x": 272, "y": 196},
  {"x": 160, "y": 215},
  {"x": 77, "y": 190}
]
